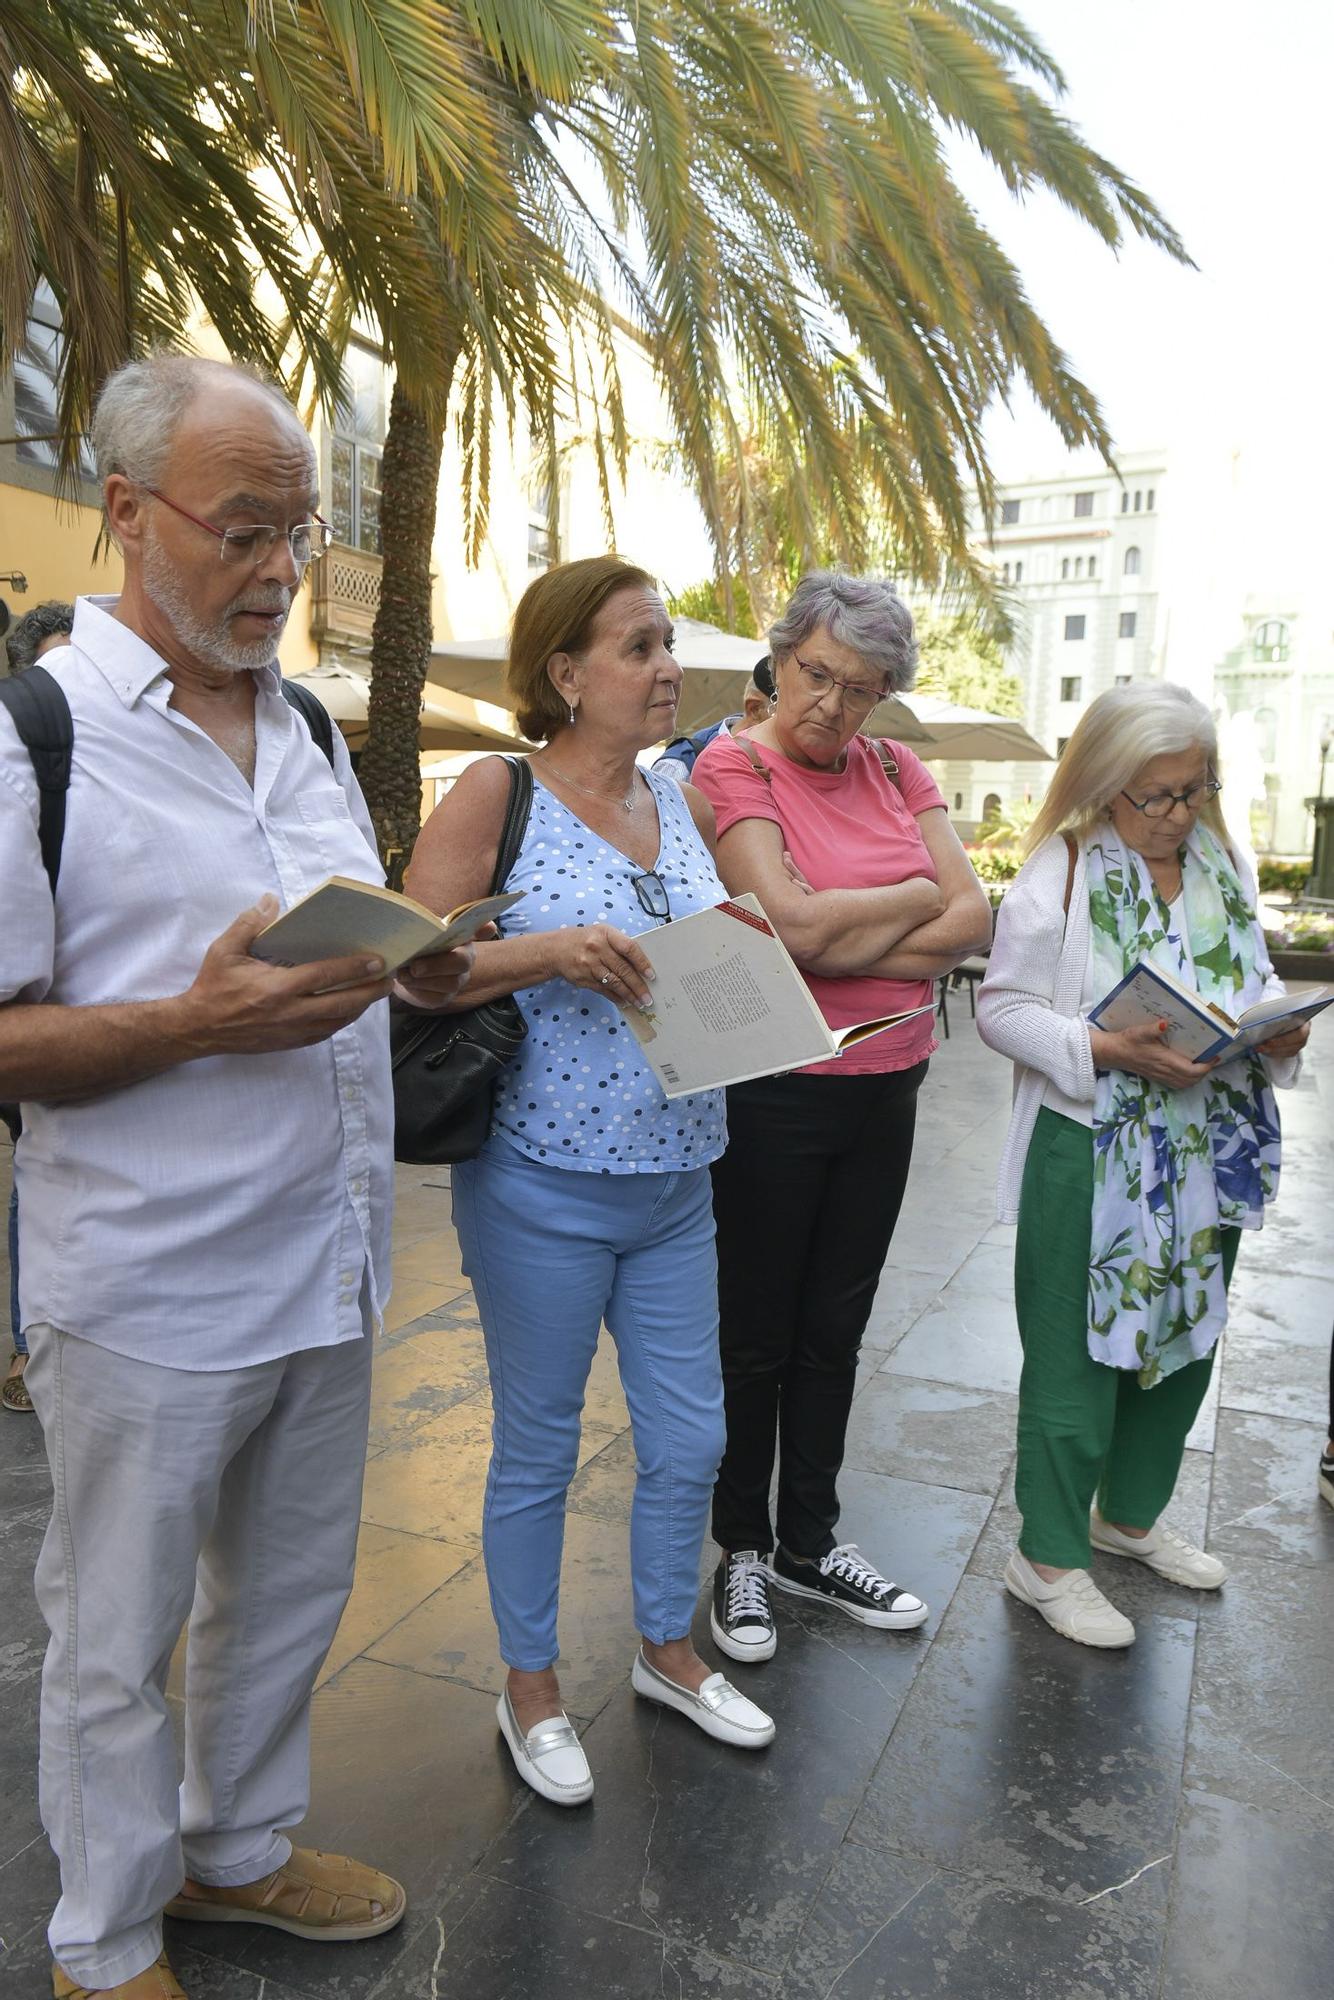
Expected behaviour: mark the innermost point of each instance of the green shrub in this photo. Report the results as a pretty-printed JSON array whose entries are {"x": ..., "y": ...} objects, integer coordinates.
[
  {"x": 1283, "y": 877},
  {"x": 1304, "y": 930},
  {"x": 996, "y": 864}
]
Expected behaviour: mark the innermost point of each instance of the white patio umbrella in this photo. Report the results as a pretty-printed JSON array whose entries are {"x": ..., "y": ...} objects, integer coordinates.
[
  {"x": 972, "y": 734},
  {"x": 449, "y": 721},
  {"x": 717, "y": 666}
]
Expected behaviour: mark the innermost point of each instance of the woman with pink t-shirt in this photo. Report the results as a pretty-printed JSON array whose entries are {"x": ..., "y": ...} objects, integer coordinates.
[{"x": 847, "y": 844}]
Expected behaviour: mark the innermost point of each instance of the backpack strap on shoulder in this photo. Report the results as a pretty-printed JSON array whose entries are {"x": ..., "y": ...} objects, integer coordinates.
[
  {"x": 757, "y": 762},
  {"x": 889, "y": 763},
  {"x": 40, "y": 715},
  {"x": 313, "y": 713}
]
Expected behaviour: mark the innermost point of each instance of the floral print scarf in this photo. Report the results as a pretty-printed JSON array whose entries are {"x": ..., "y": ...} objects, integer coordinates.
[{"x": 1172, "y": 1168}]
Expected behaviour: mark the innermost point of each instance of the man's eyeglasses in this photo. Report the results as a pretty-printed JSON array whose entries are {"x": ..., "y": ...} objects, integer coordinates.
[
  {"x": 246, "y": 548},
  {"x": 856, "y": 697},
  {"x": 1159, "y": 804},
  {"x": 652, "y": 893}
]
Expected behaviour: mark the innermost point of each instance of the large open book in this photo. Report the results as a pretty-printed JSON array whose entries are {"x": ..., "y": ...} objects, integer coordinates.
[
  {"x": 342, "y": 918},
  {"x": 729, "y": 1003},
  {"x": 1195, "y": 1027}
]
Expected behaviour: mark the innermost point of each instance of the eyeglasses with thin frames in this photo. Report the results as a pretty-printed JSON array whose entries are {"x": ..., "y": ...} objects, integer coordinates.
[
  {"x": 248, "y": 547},
  {"x": 652, "y": 893},
  {"x": 855, "y": 697},
  {"x": 1159, "y": 804}
]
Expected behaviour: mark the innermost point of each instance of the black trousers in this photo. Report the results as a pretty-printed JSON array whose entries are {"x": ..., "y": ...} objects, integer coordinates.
[{"x": 806, "y": 1198}]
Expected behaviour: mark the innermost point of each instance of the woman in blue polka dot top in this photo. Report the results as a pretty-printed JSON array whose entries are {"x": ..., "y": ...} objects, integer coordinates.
[{"x": 591, "y": 1199}]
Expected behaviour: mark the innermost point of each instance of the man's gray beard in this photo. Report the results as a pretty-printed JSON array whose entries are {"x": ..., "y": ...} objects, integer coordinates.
[{"x": 211, "y": 644}]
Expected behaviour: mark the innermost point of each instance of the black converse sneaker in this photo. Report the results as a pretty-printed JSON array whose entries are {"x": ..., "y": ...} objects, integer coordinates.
[
  {"x": 1327, "y": 1475},
  {"x": 740, "y": 1619},
  {"x": 846, "y": 1580}
]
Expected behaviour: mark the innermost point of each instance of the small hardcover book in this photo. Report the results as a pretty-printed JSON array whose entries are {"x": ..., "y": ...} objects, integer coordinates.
[
  {"x": 1195, "y": 1027},
  {"x": 342, "y": 918},
  {"x": 729, "y": 1003}
]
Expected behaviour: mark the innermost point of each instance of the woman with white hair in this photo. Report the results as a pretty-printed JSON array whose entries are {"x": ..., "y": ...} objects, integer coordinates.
[
  {"x": 1131, "y": 1170},
  {"x": 848, "y": 846}
]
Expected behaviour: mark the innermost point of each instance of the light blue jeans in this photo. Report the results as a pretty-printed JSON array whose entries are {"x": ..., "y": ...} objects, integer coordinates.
[{"x": 550, "y": 1254}]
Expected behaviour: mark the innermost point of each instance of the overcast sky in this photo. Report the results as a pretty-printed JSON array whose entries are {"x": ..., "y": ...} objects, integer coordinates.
[{"x": 1219, "y": 109}]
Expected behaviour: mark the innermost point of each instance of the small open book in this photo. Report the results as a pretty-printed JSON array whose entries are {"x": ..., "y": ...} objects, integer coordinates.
[
  {"x": 729, "y": 1003},
  {"x": 1195, "y": 1027},
  {"x": 343, "y": 917}
]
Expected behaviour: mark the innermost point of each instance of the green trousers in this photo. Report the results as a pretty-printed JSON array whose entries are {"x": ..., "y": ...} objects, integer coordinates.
[{"x": 1084, "y": 1428}]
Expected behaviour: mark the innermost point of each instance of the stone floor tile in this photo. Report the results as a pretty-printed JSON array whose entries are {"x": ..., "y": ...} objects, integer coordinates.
[
  {"x": 1266, "y": 1501},
  {"x": 932, "y": 1431},
  {"x": 903, "y": 1294},
  {"x": 395, "y": 1573},
  {"x": 1252, "y": 1908},
  {"x": 1051, "y": 1767},
  {"x": 1273, "y": 1376},
  {"x": 410, "y": 1774},
  {"x": 1262, "y": 1719},
  {"x": 1289, "y": 1304},
  {"x": 885, "y": 1925},
  {"x": 1203, "y": 1432},
  {"x": 964, "y": 1338},
  {"x": 515, "y": 1945},
  {"x": 605, "y": 1485},
  {"x": 417, "y": 1378}
]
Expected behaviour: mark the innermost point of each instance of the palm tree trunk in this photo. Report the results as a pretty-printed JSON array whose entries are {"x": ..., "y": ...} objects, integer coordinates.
[{"x": 401, "y": 640}]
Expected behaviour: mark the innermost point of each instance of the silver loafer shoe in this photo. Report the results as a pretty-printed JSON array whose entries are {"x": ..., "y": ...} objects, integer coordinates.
[
  {"x": 718, "y": 1709},
  {"x": 550, "y": 1757}
]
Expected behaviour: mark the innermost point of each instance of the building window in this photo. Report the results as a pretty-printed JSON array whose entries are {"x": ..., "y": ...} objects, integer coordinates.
[
  {"x": 1071, "y": 686},
  {"x": 1126, "y": 629},
  {"x": 958, "y": 802},
  {"x": 1093, "y": 565},
  {"x": 1065, "y": 568},
  {"x": 355, "y": 451},
  {"x": 1074, "y": 626},
  {"x": 37, "y": 370},
  {"x": 1079, "y": 565},
  {"x": 1005, "y": 572},
  {"x": 991, "y": 807},
  {"x": 1124, "y": 680},
  {"x": 1009, "y": 512},
  {"x": 1018, "y": 572},
  {"x": 543, "y": 549},
  {"x": 1266, "y": 733},
  {"x": 1125, "y": 499},
  {"x": 1130, "y": 567},
  {"x": 1271, "y": 640},
  {"x": 1139, "y": 499},
  {"x": 1083, "y": 505},
  {"x": 1061, "y": 742},
  {"x": 1148, "y": 501}
]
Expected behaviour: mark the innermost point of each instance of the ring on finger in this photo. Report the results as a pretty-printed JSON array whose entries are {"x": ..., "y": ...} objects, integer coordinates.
[{"x": 607, "y": 978}]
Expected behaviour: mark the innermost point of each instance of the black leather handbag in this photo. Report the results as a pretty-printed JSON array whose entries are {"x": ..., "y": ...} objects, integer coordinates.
[{"x": 445, "y": 1065}]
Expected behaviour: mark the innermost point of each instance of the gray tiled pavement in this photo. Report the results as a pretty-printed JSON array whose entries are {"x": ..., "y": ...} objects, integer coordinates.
[{"x": 973, "y": 1810}]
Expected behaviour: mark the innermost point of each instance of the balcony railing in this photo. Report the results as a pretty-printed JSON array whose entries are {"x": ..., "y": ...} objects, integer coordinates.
[{"x": 345, "y": 594}]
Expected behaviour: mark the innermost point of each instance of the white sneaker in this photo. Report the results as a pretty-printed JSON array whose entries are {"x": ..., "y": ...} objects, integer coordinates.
[
  {"x": 1162, "y": 1549},
  {"x": 717, "y": 1708},
  {"x": 550, "y": 1757},
  {"x": 1073, "y": 1605}
]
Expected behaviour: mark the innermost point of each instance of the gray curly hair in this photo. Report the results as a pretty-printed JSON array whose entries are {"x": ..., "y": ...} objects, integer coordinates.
[{"x": 863, "y": 612}]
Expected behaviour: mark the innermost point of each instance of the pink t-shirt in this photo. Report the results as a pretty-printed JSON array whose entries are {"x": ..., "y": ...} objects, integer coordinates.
[{"x": 849, "y": 829}]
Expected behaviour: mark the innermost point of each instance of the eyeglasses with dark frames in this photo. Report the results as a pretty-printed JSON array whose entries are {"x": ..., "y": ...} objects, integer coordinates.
[
  {"x": 855, "y": 696},
  {"x": 1159, "y": 804},
  {"x": 248, "y": 547},
  {"x": 652, "y": 893}
]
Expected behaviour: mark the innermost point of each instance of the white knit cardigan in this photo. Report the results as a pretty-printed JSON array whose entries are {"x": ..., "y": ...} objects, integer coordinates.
[{"x": 1028, "y": 1005}]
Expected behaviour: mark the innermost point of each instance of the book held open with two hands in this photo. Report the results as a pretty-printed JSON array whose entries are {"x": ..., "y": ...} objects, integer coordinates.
[
  {"x": 729, "y": 1003},
  {"x": 1195, "y": 1027},
  {"x": 344, "y": 918}
]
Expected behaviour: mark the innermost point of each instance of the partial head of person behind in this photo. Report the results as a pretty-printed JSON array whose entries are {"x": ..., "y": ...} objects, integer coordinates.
[
  {"x": 210, "y": 491},
  {"x": 37, "y": 632},
  {"x": 566, "y": 620},
  {"x": 1142, "y": 745},
  {"x": 841, "y": 645},
  {"x": 758, "y": 698}
]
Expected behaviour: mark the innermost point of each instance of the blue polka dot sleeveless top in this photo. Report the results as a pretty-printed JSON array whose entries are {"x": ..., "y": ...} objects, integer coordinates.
[{"x": 578, "y": 1094}]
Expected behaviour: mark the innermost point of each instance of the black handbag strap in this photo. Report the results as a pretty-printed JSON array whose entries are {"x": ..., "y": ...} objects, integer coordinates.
[{"x": 516, "y": 821}]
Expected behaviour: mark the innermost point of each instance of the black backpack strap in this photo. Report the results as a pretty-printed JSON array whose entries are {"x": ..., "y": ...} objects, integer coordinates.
[
  {"x": 313, "y": 713},
  {"x": 40, "y": 715},
  {"x": 516, "y": 821}
]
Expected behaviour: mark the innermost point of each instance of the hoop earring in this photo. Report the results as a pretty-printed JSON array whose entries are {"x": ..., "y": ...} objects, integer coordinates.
[{"x": 773, "y": 699}]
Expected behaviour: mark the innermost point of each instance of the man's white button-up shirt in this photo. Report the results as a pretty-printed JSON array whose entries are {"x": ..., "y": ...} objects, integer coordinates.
[{"x": 227, "y": 1211}]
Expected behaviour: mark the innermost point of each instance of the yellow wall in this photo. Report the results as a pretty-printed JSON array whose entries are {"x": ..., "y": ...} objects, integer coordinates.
[{"x": 53, "y": 546}]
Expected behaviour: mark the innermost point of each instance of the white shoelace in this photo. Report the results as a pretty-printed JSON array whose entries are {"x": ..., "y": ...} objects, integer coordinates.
[
  {"x": 747, "y": 1593},
  {"x": 848, "y": 1562}
]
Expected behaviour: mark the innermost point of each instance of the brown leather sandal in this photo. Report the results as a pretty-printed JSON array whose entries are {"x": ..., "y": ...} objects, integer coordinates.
[
  {"x": 155, "y": 1982},
  {"x": 13, "y": 1391},
  {"x": 328, "y": 1898}
]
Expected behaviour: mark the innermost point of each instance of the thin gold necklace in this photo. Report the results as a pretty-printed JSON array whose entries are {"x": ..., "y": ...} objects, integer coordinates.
[{"x": 630, "y": 802}]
